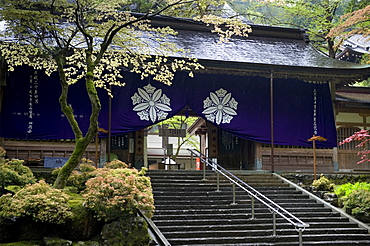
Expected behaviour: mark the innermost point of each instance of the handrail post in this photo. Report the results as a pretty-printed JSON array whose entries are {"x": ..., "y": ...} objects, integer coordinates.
[
  {"x": 274, "y": 223},
  {"x": 234, "y": 195},
  {"x": 218, "y": 182},
  {"x": 204, "y": 168},
  {"x": 191, "y": 159},
  {"x": 252, "y": 208},
  {"x": 300, "y": 230}
]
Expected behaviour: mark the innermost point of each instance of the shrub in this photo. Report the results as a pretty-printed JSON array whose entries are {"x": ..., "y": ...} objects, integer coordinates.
[
  {"x": 116, "y": 164},
  {"x": 39, "y": 201},
  {"x": 323, "y": 184},
  {"x": 2, "y": 155},
  {"x": 344, "y": 190},
  {"x": 87, "y": 171},
  {"x": 358, "y": 202},
  {"x": 13, "y": 172},
  {"x": 79, "y": 177},
  {"x": 2, "y": 152},
  {"x": 87, "y": 165},
  {"x": 114, "y": 193}
]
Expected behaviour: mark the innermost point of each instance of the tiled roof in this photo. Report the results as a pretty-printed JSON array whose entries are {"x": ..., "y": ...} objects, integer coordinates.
[
  {"x": 285, "y": 50},
  {"x": 353, "y": 94},
  {"x": 255, "y": 49}
]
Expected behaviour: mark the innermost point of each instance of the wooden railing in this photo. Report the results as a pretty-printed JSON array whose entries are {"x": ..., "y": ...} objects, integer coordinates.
[
  {"x": 297, "y": 159},
  {"x": 37, "y": 150}
]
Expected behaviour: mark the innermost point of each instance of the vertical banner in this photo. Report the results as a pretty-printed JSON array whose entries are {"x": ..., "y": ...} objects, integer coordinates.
[
  {"x": 139, "y": 142},
  {"x": 315, "y": 112},
  {"x": 33, "y": 100},
  {"x": 213, "y": 141}
]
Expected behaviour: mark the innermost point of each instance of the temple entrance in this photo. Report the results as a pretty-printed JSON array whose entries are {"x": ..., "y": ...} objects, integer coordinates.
[
  {"x": 230, "y": 151},
  {"x": 233, "y": 152}
]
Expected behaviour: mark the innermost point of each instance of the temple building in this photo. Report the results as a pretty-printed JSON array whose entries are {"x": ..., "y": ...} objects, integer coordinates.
[{"x": 260, "y": 99}]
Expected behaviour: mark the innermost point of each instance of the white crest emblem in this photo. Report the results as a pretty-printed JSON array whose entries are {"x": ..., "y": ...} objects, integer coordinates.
[
  {"x": 151, "y": 104},
  {"x": 220, "y": 107}
]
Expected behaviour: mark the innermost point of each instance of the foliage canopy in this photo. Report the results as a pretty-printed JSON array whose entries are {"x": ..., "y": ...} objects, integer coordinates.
[
  {"x": 321, "y": 18},
  {"x": 92, "y": 41}
]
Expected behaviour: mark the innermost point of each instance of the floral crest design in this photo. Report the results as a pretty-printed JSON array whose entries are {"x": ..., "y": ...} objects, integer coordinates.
[
  {"x": 220, "y": 107},
  {"x": 151, "y": 104}
]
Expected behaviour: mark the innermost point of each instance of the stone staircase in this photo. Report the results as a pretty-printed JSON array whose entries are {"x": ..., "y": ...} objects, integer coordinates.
[{"x": 189, "y": 211}]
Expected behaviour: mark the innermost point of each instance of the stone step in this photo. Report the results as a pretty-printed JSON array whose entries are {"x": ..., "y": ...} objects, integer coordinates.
[
  {"x": 269, "y": 239},
  {"x": 238, "y": 214},
  {"x": 234, "y": 209},
  {"x": 213, "y": 188},
  {"x": 317, "y": 222},
  {"x": 223, "y": 192},
  {"x": 212, "y": 179},
  {"x": 288, "y": 206},
  {"x": 161, "y": 201},
  {"x": 239, "y": 173},
  {"x": 213, "y": 184},
  {"x": 211, "y": 232},
  {"x": 317, "y": 227},
  {"x": 205, "y": 197},
  {"x": 189, "y": 211},
  {"x": 323, "y": 243}
]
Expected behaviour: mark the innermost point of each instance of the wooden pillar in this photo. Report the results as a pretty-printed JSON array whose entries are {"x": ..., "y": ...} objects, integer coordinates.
[
  {"x": 203, "y": 144},
  {"x": 335, "y": 149},
  {"x": 335, "y": 159},
  {"x": 272, "y": 127},
  {"x": 139, "y": 149},
  {"x": 103, "y": 151},
  {"x": 145, "y": 150},
  {"x": 258, "y": 156},
  {"x": 364, "y": 120}
]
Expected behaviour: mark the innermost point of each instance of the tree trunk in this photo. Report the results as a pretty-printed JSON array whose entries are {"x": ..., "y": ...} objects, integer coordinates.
[
  {"x": 72, "y": 163},
  {"x": 81, "y": 141},
  {"x": 174, "y": 157},
  {"x": 331, "y": 50}
]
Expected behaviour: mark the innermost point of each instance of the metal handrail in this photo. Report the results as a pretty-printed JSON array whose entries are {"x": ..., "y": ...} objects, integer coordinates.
[
  {"x": 153, "y": 231},
  {"x": 254, "y": 194}
]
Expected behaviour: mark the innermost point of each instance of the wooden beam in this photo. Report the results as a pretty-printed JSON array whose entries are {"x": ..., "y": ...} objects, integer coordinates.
[{"x": 353, "y": 124}]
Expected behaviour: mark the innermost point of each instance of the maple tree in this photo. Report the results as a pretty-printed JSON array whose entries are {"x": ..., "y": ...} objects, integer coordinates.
[
  {"x": 90, "y": 41},
  {"x": 362, "y": 137},
  {"x": 356, "y": 22}
]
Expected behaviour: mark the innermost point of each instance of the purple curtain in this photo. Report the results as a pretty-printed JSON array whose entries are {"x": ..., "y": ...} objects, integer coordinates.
[{"x": 237, "y": 104}]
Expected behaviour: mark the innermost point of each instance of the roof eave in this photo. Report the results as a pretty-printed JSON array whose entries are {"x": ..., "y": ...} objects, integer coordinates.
[{"x": 340, "y": 76}]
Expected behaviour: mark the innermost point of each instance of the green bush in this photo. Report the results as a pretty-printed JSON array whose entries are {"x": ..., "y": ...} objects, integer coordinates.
[
  {"x": 342, "y": 191},
  {"x": 13, "y": 172},
  {"x": 323, "y": 184},
  {"x": 355, "y": 198},
  {"x": 79, "y": 177},
  {"x": 116, "y": 164},
  {"x": 87, "y": 171},
  {"x": 358, "y": 202},
  {"x": 114, "y": 193},
  {"x": 2, "y": 155},
  {"x": 39, "y": 201}
]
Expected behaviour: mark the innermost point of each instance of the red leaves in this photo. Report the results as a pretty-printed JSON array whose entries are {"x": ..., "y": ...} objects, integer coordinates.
[{"x": 363, "y": 136}]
